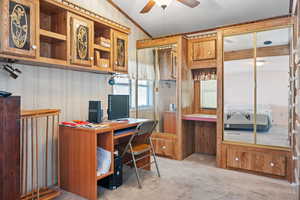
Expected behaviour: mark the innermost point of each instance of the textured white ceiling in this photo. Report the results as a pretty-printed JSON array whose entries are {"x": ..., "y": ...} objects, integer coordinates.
[{"x": 177, "y": 18}]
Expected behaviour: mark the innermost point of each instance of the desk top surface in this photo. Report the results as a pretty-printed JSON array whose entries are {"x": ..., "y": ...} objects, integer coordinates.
[
  {"x": 108, "y": 126},
  {"x": 200, "y": 117}
]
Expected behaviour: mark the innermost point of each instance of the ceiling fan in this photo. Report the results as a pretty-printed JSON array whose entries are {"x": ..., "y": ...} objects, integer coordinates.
[{"x": 165, "y": 3}]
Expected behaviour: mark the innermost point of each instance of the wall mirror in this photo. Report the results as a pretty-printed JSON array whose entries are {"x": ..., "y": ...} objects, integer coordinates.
[
  {"x": 157, "y": 68},
  {"x": 205, "y": 90},
  {"x": 256, "y": 87}
]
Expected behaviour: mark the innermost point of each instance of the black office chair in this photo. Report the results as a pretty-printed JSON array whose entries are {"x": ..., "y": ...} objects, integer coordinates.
[{"x": 140, "y": 143}]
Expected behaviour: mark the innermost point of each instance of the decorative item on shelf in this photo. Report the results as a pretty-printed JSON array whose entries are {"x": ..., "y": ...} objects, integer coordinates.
[
  {"x": 103, "y": 41},
  {"x": 204, "y": 75},
  {"x": 104, "y": 63},
  {"x": 101, "y": 62}
]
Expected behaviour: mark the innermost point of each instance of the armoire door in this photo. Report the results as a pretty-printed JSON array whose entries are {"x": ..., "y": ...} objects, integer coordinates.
[
  {"x": 120, "y": 52},
  {"x": 81, "y": 40},
  {"x": 18, "y": 27}
]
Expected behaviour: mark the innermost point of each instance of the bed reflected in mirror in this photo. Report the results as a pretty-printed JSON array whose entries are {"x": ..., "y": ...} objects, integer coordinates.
[
  {"x": 272, "y": 69},
  {"x": 257, "y": 115},
  {"x": 238, "y": 89}
]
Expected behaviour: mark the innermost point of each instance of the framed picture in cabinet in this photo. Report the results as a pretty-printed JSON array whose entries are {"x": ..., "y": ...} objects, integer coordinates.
[
  {"x": 18, "y": 19},
  {"x": 81, "y": 40}
]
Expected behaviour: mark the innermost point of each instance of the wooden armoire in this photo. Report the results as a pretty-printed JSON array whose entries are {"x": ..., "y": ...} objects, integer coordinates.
[{"x": 10, "y": 148}]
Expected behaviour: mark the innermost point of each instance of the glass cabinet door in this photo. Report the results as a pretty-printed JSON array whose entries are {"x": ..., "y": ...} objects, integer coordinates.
[
  {"x": 257, "y": 88},
  {"x": 272, "y": 77},
  {"x": 238, "y": 84},
  {"x": 18, "y": 27},
  {"x": 81, "y": 40},
  {"x": 157, "y": 87},
  {"x": 120, "y": 51}
]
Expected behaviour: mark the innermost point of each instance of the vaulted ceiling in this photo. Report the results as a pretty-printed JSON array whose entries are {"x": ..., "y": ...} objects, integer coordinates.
[{"x": 177, "y": 18}]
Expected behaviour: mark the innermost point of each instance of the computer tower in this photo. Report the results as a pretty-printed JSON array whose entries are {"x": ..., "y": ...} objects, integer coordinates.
[
  {"x": 95, "y": 112},
  {"x": 115, "y": 180}
]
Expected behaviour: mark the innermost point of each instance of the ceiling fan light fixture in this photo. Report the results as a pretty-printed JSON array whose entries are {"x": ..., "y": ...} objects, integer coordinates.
[{"x": 163, "y": 3}]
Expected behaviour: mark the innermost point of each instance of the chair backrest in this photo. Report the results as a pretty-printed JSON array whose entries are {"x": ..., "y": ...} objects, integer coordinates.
[
  {"x": 143, "y": 132},
  {"x": 146, "y": 127}
]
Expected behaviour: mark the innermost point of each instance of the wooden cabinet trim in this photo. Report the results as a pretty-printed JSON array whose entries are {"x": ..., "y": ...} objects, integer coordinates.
[{"x": 257, "y": 26}]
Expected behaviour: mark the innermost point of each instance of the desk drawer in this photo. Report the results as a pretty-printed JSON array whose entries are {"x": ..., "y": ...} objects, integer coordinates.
[
  {"x": 267, "y": 163},
  {"x": 164, "y": 147}
]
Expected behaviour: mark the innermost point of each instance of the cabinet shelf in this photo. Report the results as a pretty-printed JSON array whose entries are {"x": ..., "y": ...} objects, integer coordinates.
[
  {"x": 53, "y": 60},
  {"x": 52, "y": 35},
  {"x": 104, "y": 175},
  {"x": 53, "y": 46},
  {"x": 101, "y": 48},
  {"x": 103, "y": 69}
]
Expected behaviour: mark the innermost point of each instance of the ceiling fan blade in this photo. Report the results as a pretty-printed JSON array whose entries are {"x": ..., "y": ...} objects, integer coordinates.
[
  {"x": 190, "y": 3},
  {"x": 148, "y": 7}
]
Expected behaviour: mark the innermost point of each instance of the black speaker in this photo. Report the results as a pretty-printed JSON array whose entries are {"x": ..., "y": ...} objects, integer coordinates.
[
  {"x": 95, "y": 112},
  {"x": 115, "y": 180}
]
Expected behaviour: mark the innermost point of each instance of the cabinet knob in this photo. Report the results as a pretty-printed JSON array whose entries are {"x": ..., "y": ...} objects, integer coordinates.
[
  {"x": 116, "y": 62},
  {"x": 91, "y": 58},
  {"x": 163, "y": 147},
  {"x": 272, "y": 164},
  {"x": 237, "y": 159},
  {"x": 33, "y": 47},
  {"x": 209, "y": 52}
]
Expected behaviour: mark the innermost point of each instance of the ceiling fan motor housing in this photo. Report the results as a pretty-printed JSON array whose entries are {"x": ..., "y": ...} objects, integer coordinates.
[{"x": 164, "y": 6}]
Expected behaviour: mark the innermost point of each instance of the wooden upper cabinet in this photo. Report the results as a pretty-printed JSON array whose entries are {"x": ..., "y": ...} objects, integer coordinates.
[
  {"x": 18, "y": 27},
  {"x": 80, "y": 40},
  {"x": 120, "y": 51},
  {"x": 201, "y": 52}
]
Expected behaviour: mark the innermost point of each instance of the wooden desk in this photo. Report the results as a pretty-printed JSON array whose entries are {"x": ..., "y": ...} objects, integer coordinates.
[{"x": 78, "y": 155}]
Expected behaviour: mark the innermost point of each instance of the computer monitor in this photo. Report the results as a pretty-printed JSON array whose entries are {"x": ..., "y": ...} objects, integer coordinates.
[{"x": 118, "y": 106}]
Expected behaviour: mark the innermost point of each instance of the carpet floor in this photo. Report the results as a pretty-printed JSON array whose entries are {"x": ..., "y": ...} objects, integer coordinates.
[{"x": 195, "y": 178}]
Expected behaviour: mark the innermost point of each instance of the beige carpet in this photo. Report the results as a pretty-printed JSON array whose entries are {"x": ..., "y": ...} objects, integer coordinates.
[{"x": 195, "y": 178}]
